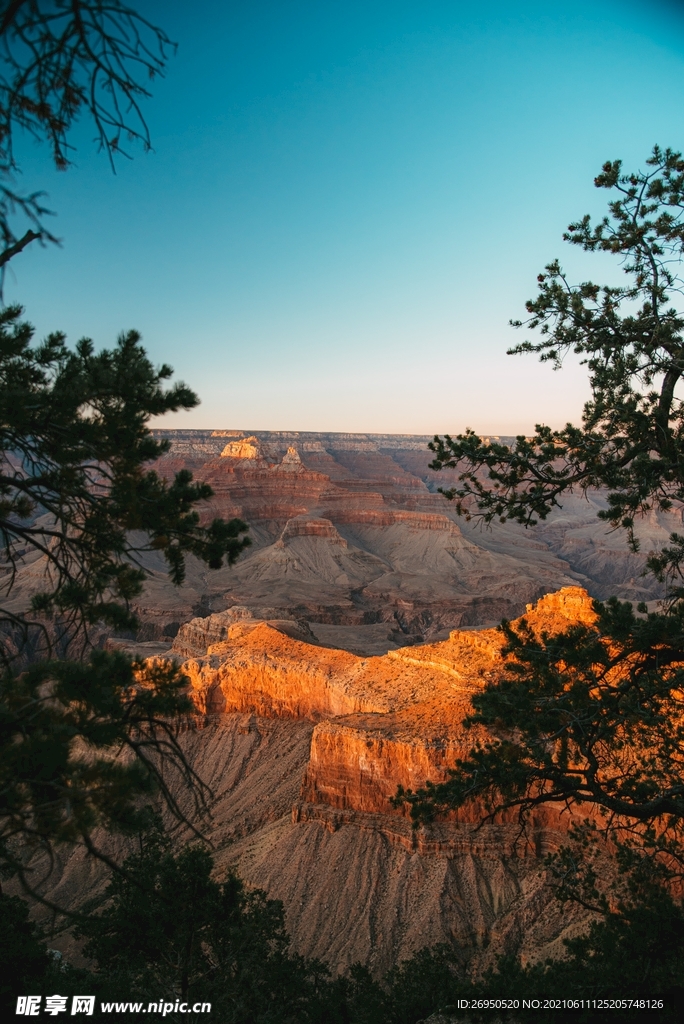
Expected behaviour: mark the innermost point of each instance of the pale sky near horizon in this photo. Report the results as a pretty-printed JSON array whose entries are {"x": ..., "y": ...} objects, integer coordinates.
[{"x": 347, "y": 202}]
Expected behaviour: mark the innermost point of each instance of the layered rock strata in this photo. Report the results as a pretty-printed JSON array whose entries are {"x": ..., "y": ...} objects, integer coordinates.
[
  {"x": 344, "y": 534},
  {"x": 357, "y": 880},
  {"x": 349, "y": 531},
  {"x": 381, "y": 721}
]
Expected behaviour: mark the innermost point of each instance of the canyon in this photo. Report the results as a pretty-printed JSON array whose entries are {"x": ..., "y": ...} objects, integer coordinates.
[
  {"x": 337, "y": 660},
  {"x": 349, "y": 531},
  {"x": 359, "y": 883}
]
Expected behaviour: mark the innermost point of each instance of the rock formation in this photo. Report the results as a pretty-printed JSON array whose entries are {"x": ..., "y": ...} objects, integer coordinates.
[
  {"x": 247, "y": 448},
  {"x": 350, "y": 533},
  {"x": 382, "y": 721},
  {"x": 324, "y": 739},
  {"x": 303, "y": 744}
]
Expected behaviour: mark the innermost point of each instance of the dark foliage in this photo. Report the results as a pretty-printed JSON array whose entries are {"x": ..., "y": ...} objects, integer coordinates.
[
  {"x": 75, "y": 486},
  {"x": 630, "y": 338},
  {"x": 84, "y": 743},
  {"x": 592, "y": 718},
  {"x": 77, "y": 497},
  {"x": 169, "y": 931},
  {"x": 59, "y": 60},
  {"x": 24, "y": 959},
  {"x": 80, "y": 744}
]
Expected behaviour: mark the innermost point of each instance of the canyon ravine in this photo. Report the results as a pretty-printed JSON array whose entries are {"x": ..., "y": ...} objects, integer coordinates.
[{"x": 337, "y": 661}]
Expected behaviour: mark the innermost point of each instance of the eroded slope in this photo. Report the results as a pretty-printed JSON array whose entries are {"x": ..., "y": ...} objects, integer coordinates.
[{"x": 357, "y": 881}]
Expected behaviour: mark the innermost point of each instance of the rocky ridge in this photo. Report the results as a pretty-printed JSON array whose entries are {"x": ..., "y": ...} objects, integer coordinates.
[
  {"x": 358, "y": 882},
  {"x": 303, "y": 745},
  {"x": 349, "y": 532},
  {"x": 380, "y": 721}
]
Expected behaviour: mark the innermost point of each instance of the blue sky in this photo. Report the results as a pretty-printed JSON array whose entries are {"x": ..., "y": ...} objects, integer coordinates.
[{"x": 347, "y": 201}]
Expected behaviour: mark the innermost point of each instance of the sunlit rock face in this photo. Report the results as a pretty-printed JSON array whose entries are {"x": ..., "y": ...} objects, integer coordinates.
[
  {"x": 381, "y": 721},
  {"x": 357, "y": 881},
  {"x": 247, "y": 448}
]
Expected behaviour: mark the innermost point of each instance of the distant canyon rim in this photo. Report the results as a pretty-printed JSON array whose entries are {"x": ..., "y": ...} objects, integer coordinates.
[
  {"x": 337, "y": 659},
  {"x": 350, "y": 533}
]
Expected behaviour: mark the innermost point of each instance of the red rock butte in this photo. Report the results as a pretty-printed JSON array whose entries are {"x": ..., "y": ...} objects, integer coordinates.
[{"x": 380, "y": 721}]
